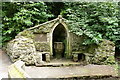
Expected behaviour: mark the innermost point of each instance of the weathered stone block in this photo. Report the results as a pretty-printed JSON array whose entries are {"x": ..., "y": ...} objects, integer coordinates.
[
  {"x": 75, "y": 57},
  {"x": 104, "y": 53},
  {"x": 22, "y": 49},
  {"x": 42, "y": 46},
  {"x": 38, "y": 57},
  {"x": 48, "y": 57}
]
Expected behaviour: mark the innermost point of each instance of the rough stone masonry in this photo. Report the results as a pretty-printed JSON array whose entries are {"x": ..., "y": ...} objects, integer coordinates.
[{"x": 36, "y": 43}]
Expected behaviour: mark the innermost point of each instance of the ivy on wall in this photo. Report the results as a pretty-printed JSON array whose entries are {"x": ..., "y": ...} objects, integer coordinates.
[{"x": 96, "y": 21}]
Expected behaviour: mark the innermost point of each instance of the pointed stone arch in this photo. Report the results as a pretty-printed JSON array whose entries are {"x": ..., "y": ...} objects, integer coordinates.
[{"x": 67, "y": 38}]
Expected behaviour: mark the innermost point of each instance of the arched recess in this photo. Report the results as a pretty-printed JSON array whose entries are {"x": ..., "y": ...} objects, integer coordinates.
[{"x": 67, "y": 46}]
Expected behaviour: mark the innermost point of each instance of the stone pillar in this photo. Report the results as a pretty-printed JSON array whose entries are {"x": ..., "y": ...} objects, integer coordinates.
[
  {"x": 87, "y": 59},
  {"x": 40, "y": 55},
  {"x": 47, "y": 57},
  {"x": 75, "y": 57},
  {"x": 48, "y": 37},
  {"x": 39, "y": 58}
]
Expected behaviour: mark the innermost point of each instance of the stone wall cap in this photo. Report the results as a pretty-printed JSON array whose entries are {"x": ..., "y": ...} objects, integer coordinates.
[{"x": 19, "y": 63}]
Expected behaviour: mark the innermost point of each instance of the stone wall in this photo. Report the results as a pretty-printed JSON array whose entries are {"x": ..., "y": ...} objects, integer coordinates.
[
  {"x": 27, "y": 42},
  {"x": 104, "y": 53},
  {"x": 40, "y": 37},
  {"x": 22, "y": 48},
  {"x": 45, "y": 28},
  {"x": 27, "y": 34},
  {"x": 101, "y": 54},
  {"x": 76, "y": 43},
  {"x": 42, "y": 46}
]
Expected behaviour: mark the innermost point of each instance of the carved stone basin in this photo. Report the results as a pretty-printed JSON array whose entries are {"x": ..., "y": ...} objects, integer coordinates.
[{"x": 59, "y": 49}]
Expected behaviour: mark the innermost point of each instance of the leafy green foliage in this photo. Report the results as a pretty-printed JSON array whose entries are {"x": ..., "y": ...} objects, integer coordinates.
[
  {"x": 19, "y": 16},
  {"x": 55, "y": 8},
  {"x": 96, "y": 21}
]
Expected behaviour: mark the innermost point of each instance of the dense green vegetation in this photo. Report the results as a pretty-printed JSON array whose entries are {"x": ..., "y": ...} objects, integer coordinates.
[
  {"x": 94, "y": 20},
  {"x": 19, "y": 16}
]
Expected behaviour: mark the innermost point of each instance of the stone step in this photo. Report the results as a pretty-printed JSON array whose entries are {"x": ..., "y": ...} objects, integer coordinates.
[
  {"x": 71, "y": 71},
  {"x": 58, "y": 64}
]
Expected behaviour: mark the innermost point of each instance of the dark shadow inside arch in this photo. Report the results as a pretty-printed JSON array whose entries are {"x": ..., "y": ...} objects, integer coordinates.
[
  {"x": 59, "y": 41},
  {"x": 117, "y": 51}
]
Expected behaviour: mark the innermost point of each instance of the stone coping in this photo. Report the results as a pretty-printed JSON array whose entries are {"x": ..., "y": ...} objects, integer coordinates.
[{"x": 16, "y": 70}]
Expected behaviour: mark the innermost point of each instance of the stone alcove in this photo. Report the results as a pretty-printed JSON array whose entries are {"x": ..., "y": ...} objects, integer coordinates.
[{"x": 59, "y": 41}]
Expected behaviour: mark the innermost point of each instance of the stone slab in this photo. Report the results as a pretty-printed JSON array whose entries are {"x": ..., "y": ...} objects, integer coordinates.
[
  {"x": 60, "y": 62},
  {"x": 66, "y": 72},
  {"x": 4, "y": 63}
]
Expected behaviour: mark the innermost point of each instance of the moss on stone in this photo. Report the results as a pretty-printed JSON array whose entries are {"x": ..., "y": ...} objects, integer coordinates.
[
  {"x": 22, "y": 48},
  {"x": 27, "y": 34},
  {"x": 42, "y": 29},
  {"x": 104, "y": 54},
  {"x": 42, "y": 46}
]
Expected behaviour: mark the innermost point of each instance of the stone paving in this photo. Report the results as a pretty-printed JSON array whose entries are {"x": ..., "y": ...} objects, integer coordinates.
[
  {"x": 4, "y": 63},
  {"x": 56, "y": 72},
  {"x": 65, "y": 72},
  {"x": 60, "y": 62}
]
